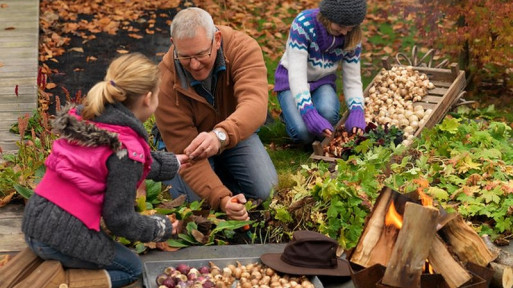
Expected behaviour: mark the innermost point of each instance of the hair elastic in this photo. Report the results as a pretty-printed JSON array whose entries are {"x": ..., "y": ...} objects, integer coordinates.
[{"x": 112, "y": 83}]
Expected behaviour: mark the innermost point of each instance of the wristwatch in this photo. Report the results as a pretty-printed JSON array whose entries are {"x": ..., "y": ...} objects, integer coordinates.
[{"x": 221, "y": 136}]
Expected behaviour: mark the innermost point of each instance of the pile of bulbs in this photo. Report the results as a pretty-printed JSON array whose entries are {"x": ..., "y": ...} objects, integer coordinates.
[
  {"x": 241, "y": 276},
  {"x": 390, "y": 100}
]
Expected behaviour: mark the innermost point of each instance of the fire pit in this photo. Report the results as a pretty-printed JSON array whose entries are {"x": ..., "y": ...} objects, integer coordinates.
[{"x": 407, "y": 242}]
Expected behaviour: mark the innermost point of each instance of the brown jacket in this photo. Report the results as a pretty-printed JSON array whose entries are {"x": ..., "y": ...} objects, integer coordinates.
[{"x": 241, "y": 107}]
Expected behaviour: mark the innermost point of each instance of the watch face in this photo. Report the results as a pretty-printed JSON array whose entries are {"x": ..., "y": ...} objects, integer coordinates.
[{"x": 221, "y": 135}]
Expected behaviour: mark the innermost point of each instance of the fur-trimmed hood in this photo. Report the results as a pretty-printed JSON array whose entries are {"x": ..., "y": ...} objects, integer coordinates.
[{"x": 69, "y": 125}]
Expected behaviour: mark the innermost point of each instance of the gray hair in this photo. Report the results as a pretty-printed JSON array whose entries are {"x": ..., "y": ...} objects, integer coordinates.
[{"x": 187, "y": 21}]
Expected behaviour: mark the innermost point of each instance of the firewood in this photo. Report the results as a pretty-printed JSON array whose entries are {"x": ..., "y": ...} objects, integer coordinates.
[
  {"x": 507, "y": 277},
  {"x": 442, "y": 262},
  {"x": 412, "y": 246},
  {"x": 502, "y": 277},
  {"x": 365, "y": 253},
  {"x": 466, "y": 243},
  {"x": 504, "y": 257}
]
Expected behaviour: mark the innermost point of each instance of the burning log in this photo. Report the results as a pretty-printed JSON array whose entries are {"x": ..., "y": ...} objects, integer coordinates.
[
  {"x": 400, "y": 241},
  {"x": 409, "y": 253},
  {"x": 443, "y": 262},
  {"x": 466, "y": 243},
  {"x": 363, "y": 254}
]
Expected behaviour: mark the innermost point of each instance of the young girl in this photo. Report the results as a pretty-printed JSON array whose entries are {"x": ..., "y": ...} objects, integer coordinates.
[
  {"x": 319, "y": 40},
  {"x": 93, "y": 172}
]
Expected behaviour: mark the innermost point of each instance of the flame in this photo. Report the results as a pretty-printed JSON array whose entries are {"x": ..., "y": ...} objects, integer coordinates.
[
  {"x": 428, "y": 269},
  {"x": 425, "y": 199},
  {"x": 393, "y": 218}
]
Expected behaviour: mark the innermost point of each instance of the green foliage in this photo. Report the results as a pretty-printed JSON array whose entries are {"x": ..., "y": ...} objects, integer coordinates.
[
  {"x": 23, "y": 170},
  {"x": 468, "y": 163},
  {"x": 8, "y": 178}
]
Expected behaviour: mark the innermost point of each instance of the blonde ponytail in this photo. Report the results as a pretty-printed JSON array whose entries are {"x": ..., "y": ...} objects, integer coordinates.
[{"x": 128, "y": 77}]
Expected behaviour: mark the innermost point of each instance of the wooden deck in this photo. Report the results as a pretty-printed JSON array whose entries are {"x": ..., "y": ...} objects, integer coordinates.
[{"x": 19, "y": 37}]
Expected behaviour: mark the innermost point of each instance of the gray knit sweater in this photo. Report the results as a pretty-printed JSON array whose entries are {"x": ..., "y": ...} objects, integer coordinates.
[{"x": 46, "y": 222}]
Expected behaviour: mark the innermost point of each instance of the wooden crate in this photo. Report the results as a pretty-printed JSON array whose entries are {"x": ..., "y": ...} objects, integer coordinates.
[{"x": 449, "y": 85}]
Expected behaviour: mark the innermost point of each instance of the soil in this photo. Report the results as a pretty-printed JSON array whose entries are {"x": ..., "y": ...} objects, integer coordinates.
[{"x": 76, "y": 75}]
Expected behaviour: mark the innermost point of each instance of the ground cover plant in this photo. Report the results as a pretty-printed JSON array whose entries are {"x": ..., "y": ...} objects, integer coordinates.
[{"x": 466, "y": 159}]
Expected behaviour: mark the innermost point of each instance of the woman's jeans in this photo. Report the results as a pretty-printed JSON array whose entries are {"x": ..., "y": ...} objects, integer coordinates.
[
  {"x": 124, "y": 269},
  {"x": 325, "y": 100},
  {"x": 245, "y": 168}
]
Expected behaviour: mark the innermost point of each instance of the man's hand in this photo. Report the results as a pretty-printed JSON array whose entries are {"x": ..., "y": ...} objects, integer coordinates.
[
  {"x": 203, "y": 146},
  {"x": 235, "y": 208}
]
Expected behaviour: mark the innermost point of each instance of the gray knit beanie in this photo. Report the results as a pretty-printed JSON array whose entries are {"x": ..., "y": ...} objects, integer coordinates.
[{"x": 344, "y": 12}]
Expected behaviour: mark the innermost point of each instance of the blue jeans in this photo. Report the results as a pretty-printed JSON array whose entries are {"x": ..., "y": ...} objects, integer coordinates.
[
  {"x": 124, "y": 269},
  {"x": 324, "y": 99},
  {"x": 245, "y": 168}
]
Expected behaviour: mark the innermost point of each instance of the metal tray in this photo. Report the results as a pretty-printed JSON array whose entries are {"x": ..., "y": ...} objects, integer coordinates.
[{"x": 152, "y": 269}]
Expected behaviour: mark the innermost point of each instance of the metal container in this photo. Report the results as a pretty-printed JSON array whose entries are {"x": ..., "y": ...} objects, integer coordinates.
[{"x": 152, "y": 269}]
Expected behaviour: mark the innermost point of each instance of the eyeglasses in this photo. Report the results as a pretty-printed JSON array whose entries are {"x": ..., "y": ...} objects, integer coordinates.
[{"x": 198, "y": 57}]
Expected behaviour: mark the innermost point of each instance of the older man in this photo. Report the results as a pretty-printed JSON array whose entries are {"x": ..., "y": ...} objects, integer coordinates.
[{"x": 213, "y": 98}]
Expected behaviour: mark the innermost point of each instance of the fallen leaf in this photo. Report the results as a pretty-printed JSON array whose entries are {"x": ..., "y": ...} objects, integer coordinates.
[
  {"x": 77, "y": 49},
  {"x": 5, "y": 200},
  {"x": 388, "y": 50},
  {"x": 122, "y": 51},
  {"x": 16, "y": 90},
  {"x": 165, "y": 247},
  {"x": 1, "y": 64},
  {"x": 4, "y": 5},
  {"x": 136, "y": 36},
  {"x": 50, "y": 85},
  {"x": 9, "y": 28}
]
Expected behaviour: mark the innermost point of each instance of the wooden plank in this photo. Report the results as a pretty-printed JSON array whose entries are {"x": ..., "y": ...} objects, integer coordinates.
[
  {"x": 409, "y": 253},
  {"x": 16, "y": 23},
  {"x": 21, "y": 81},
  {"x": 28, "y": 66},
  {"x": 22, "y": 90},
  {"x": 466, "y": 243},
  {"x": 25, "y": 99},
  {"x": 442, "y": 84},
  {"x": 430, "y": 99},
  {"x": 438, "y": 91},
  {"x": 11, "y": 211},
  {"x": 12, "y": 117},
  {"x": 17, "y": 107},
  {"x": 364, "y": 253},
  {"x": 449, "y": 99},
  {"x": 9, "y": 147},
  {"x": 442, "y": 262},
  {"x": 16, "y": 42},
  {"x": 24, "y": 52},
  {"x": 17, "y": 73},
  {"x": 29, "y": 32},
  {"x": 17, "y": 14},
  {"x": 11, "y": 237}
]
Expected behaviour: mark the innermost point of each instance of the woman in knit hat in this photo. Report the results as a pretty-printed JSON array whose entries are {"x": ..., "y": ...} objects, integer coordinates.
[{"x": 319, "y": 41}]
